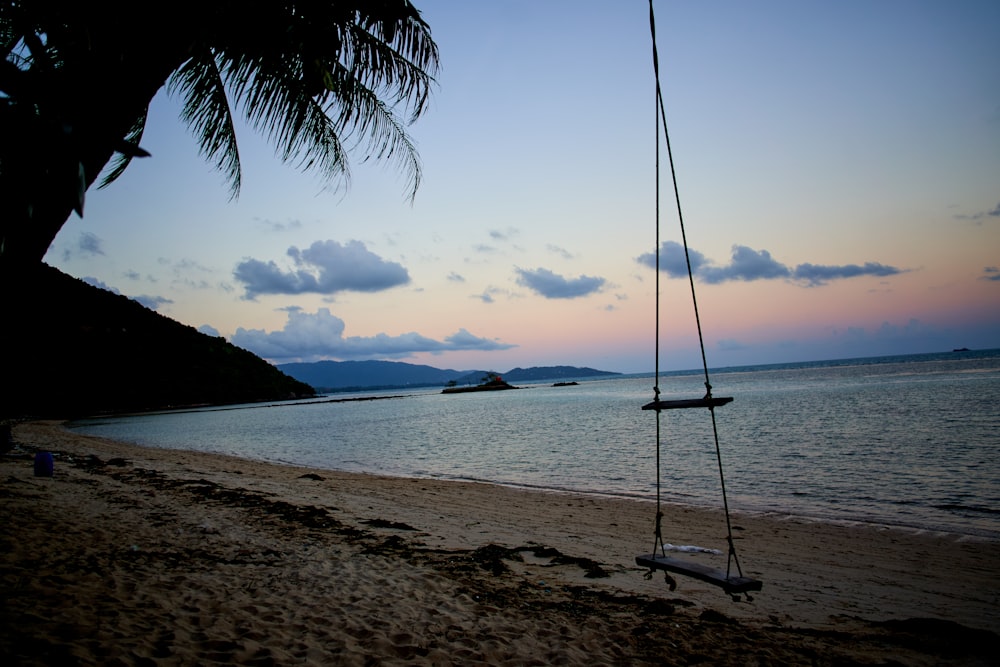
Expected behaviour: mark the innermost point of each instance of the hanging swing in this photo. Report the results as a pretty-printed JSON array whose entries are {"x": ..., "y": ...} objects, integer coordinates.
[{"x": 729, "y": 580}]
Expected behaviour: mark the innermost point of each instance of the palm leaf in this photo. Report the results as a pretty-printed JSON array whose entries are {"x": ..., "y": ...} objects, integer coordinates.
[
  {"x": 123, "y": 157},
  {"x": 276, "y": 102},
  {"x": 342, "y": 75},
  {"x": 206, "y": 110}
]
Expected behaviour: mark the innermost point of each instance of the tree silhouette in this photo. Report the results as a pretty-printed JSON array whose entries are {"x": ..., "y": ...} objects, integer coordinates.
[{"x": 321, "y": 79}]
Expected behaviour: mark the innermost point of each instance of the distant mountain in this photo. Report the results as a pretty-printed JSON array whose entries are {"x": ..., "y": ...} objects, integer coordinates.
[
  {"x": 334, "y": 375},
  {"x": 342, "y": 375},
  {"x": 71, "y": 349}
]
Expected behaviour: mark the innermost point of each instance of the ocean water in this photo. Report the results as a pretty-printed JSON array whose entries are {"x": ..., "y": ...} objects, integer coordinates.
[{"x": 909, "y": 441}]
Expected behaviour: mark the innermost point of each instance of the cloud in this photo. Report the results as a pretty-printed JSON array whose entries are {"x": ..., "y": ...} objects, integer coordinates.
[
  {"x": 87, "y": 244},
  {"x": 979, "y": 216},
  {"x": 554, "y": 286},
  {"x": 463, "y": 340},
  {"x": 815, "y": 274},
  {"x": 325, "y": 267},
  {"x": 672, "y": 260},
  {"x": 486, "y": 296},
  {"x": 209, "y": 330},
  {"x": 151, "y": 302},
  {"x": 991, "y": 273},
  {"x": 456, "y": 277},
  {"x": 94, "y": 282},
  {"x": 557, "y": 250},
  {"x": 90, "y": 243},
  {"x": 311, "y": 337},
  {"x": 276, "y": 226},
  {"x": 187, "y": 265},
  {"x": 749, "y": 265},
  {"x": 504, "y": 235}
]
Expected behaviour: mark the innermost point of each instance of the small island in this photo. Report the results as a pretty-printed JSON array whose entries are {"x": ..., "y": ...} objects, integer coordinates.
[{"x": 492, "y": 382}]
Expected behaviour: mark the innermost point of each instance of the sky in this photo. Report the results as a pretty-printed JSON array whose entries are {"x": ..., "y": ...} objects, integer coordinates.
[{"x": 838, "y": 168}]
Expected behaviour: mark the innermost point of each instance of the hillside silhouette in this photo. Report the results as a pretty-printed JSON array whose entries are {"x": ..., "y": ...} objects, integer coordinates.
[{"x": 71, "y": 349}]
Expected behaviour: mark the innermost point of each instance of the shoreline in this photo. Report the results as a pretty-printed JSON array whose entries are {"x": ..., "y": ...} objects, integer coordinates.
[
  {"x": 966, "y": 533},
  {"x": 951, "y": 501},
  {"x": 471, "y": 556}
]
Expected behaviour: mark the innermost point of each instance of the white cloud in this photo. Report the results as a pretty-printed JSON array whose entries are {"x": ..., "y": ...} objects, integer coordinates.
[
  {"x": 553, "y": 286},
  {"x": 325, "y": 267},
  {"x": 320, "y": 335},
  {"x": 748, "y": 265}
]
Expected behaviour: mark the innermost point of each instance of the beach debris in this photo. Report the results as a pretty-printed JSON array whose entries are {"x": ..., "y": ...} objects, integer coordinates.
[
  {"x": 592, "y": 569},
  {"x": 384, "y": 523},
  {"x": 394, "y": 544},
  {"x": 659, "y": 607},
  {"x": 490, "y": 558},
  {"x": 313, "y": 476},
  {"x": 713, "y": 616}
]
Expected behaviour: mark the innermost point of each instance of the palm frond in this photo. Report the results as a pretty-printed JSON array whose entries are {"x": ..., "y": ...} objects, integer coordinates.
[
  {"x": 365, "y": 119},
  {"x": 123, "y": 159},
  {"x": 355, "y": 72},
  {"x": 386, "y": 59},
  {"x": 206, "y": 110},
  {"x": 276, "y": 103}
]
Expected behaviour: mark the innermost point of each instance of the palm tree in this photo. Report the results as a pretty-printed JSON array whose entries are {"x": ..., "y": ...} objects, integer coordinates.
[{"x": 322, "y": 79}]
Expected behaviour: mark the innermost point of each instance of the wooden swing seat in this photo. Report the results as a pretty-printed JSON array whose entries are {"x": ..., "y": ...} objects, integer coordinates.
[
  {"x": 713, "y": 402},
  {"x": 733, "y": 585}
]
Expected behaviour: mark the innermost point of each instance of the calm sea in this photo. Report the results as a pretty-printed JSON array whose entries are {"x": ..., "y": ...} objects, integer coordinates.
[{"x": 910, "y": 440}]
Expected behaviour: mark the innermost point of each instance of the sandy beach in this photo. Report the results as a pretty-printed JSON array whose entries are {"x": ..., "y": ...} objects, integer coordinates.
[{"x": 139, "y": 556}]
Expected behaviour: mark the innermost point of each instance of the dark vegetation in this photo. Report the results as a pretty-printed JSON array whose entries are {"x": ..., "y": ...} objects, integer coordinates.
[
  {"x": 74, "y": 350},
  {"x": 322, "y": 81}
]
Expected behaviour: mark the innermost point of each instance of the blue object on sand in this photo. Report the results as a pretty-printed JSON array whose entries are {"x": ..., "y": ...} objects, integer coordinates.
[{"x": 43, "y": 464}]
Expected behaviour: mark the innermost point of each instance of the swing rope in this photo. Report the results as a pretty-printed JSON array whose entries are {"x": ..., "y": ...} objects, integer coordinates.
[{"x": 661, "y": 120}]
